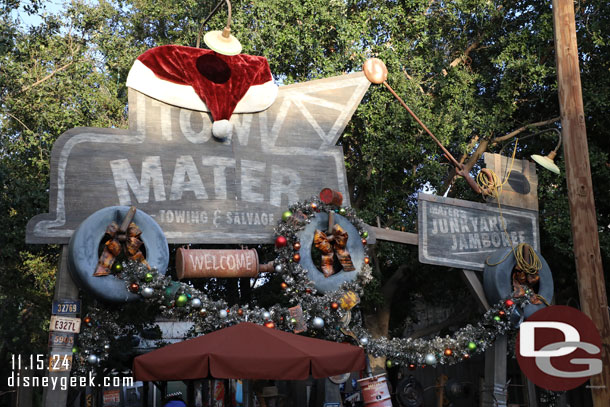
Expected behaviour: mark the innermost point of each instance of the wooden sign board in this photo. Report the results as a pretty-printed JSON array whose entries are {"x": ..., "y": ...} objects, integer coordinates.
[
  {"x": 200, "y": 189},
  {"x": 462, "y": 234},
  {"x": 64, "y": 324},
  {"x": 521, "y": 187}
]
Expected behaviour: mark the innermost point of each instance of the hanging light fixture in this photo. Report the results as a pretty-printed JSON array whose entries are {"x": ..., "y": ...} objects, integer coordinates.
[
  {"x": 548, "y": 161},
  {"x": 221, "y": 41}
]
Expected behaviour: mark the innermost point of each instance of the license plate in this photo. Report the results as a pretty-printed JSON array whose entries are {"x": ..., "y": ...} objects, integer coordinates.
[{"x": 64, "y": 324}]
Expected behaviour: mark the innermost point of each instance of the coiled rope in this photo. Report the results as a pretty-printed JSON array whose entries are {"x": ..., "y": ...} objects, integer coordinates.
[{"x": 491, "y": 186}]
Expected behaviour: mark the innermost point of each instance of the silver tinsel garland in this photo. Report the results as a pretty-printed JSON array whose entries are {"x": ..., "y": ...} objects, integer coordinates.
[{"x": 181, "y": 301}]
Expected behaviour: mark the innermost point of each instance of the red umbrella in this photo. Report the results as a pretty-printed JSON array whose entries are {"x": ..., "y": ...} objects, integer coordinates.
[{"x": 249, "y": 351}]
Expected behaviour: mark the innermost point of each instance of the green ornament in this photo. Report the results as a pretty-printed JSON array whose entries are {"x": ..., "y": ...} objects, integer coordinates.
[
  {"x": 293, "y": 321},
  {"x": 75, "y": 349},
  {"x": 117, "y": 267},
  {"x": 342, "y": 211},
  {"x": 389, "y": 363},
  {"x": 148, "y": 277},
  {"x": 497, "y": 318},
  {"x": 472, "y": 345},
  {"x": 286, "y": 215},
  {"x": 365, "y": 234},
  {"x": 181, "y": 300}
]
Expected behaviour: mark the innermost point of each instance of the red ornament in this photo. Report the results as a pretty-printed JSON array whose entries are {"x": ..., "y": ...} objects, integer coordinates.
[
  {"x": 314, "y": 206},
  {"x": 367, "y": 260},
  {"x": 308, "y": 290},
  {"x": 284, "y": 285},
  {"x": 134, "y": 287},
  {"x": 502, "y": 313},
  {"x": 280, "y": 241},
  {"x": 364, "y": 242},
  {"x": 296, "y": 257},
  {"x": 270, "y": 324},
  {"x": 228, "y": 310},
  {"x": 509, "y": 303},
  {"x": 240, "y": 312},
  {"x": 412, "y": 366},
  {"x": 334, "y": 305},
  {"x": 466, "y": 356},
  {"x": 448, "y": 352},
  {"x": 297, "y": 246}
]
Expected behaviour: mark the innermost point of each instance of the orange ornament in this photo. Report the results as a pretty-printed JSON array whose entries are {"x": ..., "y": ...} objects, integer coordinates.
[
  {"x": 270, "y": 324},
  {"x": 448, "y": 352},
  {"x": 334, "y": 305},
  {"x": 87, "y": 320},
  {"x": 296, "y": 257},
  {"x": 466, "y": 356},
  {"x": 367, "y": 260},
  {"x": 240, "y": 312},
  {"x": 284, "y": 285},
  {"x": 297, "y": 246}
]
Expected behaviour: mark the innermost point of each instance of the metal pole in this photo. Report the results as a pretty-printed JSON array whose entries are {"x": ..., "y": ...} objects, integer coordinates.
[{"x": 591, "y": 286}]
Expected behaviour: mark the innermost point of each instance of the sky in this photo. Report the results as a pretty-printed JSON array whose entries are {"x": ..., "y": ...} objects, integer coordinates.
[{"x": 49, "y": 7}]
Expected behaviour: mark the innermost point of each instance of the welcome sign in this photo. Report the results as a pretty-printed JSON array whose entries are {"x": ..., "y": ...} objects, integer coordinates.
[{"x": 197, "y": 188}]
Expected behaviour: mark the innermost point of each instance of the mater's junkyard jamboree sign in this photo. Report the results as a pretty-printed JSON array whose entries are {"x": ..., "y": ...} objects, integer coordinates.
[
  {"x": 197, "y": 188},
  {"x": 458, "y": 233}
]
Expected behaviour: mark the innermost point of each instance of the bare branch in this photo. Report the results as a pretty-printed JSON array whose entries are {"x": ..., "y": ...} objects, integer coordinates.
[
  {"x": 38, "y": 82},
  {"x": 20, "y": 122},
  {"x": 520, "y": 130},
  {"x": 409, "y": 77},
  {"x": 464, "y": 56}
]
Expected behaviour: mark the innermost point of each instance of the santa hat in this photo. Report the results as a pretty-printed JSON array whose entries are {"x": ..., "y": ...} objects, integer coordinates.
[{"x": 204, "y": 80}]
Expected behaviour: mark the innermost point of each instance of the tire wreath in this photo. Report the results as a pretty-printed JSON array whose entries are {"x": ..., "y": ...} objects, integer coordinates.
[
  {"x": 497, "y": 279},
  {"x": 84, "y": 247}
]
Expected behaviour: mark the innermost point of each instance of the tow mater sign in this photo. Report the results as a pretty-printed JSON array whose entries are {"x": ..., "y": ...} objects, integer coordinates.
[{"x": 200, "y": 189}]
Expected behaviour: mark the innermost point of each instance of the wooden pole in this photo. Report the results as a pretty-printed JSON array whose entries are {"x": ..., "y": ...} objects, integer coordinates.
[
  {"x": 591, "y": 286},
  {"x": 64, "y": 289}
]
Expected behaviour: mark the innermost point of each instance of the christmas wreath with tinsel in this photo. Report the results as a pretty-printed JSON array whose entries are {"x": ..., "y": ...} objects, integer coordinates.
[{"x": 326, "y": 314}]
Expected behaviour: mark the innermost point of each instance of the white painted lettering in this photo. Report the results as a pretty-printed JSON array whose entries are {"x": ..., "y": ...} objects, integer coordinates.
[{"x": 125, "y": 179}]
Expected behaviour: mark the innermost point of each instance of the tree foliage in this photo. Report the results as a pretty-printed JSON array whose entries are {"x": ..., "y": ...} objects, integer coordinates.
[{"x": 472, "y": 70}]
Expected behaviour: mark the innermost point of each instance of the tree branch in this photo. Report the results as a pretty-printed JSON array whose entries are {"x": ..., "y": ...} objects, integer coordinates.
[
  {"x": 485, "y": 144},
  {"x": 464, "y": 56},
  {"x": 38, "y": 82},
  {"x": 520, "y": 130}
]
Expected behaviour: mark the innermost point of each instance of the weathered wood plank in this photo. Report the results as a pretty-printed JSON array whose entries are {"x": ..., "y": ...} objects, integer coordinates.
[
  {"x": 64, "y": 289},
  {"x": 476, "y": 288},
  {"x": 589, "y": 267},
  {"x": 521, "y": 188},
  {"x": 200, "y": 189},
  {"x": 394, "y": 236},
  {"x": 463, "y": 234}
]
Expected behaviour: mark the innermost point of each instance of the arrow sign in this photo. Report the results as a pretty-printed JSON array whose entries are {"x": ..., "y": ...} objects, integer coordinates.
[{"x": 199, "y": 189}]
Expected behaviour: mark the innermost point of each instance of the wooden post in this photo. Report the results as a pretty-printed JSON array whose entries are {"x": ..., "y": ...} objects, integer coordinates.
[
  {"x": 64, "y": 289},
  {"x": 591, "y": 285},
  {"x": 494, "y": 393}
]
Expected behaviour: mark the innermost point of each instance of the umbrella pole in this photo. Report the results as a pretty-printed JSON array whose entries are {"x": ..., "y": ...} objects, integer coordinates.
[{"x": 369, "y": 371}]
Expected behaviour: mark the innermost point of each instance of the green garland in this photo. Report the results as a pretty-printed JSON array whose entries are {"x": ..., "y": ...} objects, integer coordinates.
[{"x": 106, "y": 328}]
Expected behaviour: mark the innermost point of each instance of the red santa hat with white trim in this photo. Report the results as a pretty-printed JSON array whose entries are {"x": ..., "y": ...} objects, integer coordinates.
[{"x": 206, "y": 80}]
